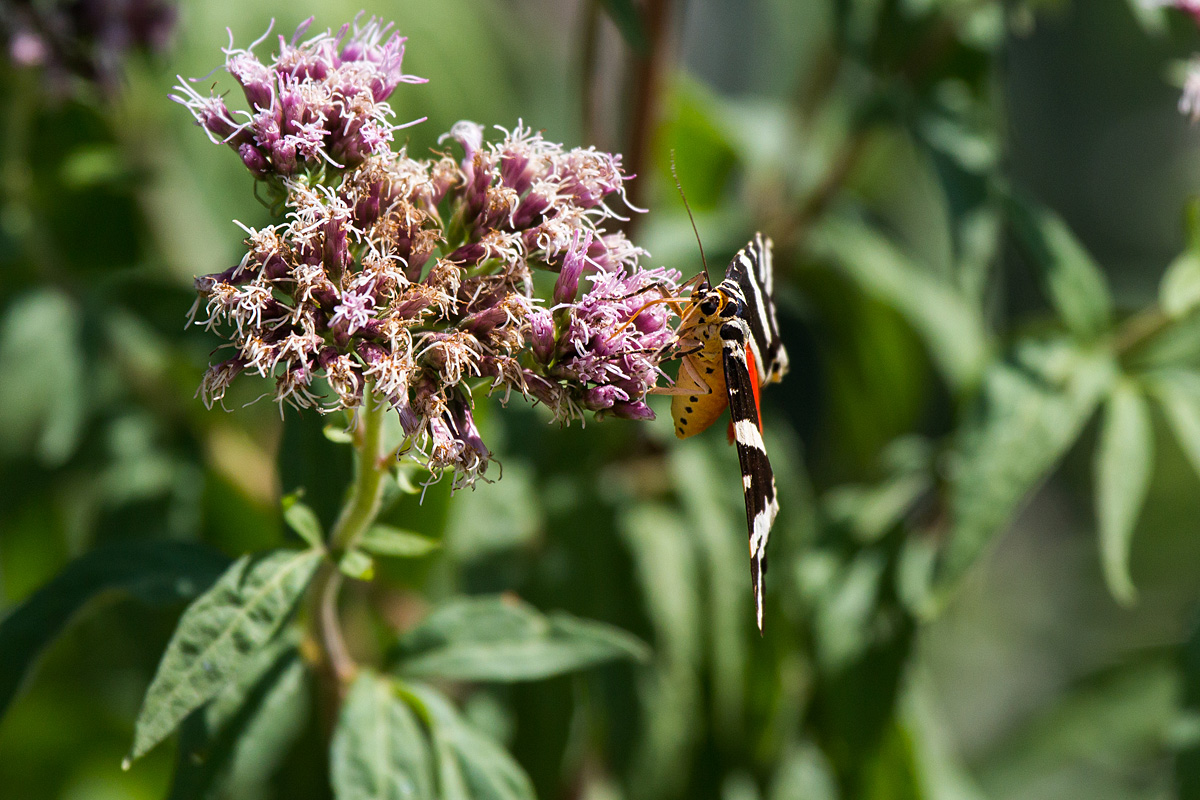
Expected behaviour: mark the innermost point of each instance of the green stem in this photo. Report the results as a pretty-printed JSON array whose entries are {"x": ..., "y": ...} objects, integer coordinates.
[
  {"x": 358, "y": 514},
  {"x": 367, "y": 492}
]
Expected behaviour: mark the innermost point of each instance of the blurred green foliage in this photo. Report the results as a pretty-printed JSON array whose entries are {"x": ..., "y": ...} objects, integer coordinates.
[{"x": 983, "y": 577}]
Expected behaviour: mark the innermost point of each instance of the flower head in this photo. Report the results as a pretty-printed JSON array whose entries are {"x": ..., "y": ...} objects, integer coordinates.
[
  {"x": 321, "y": 100},
  {"x": 410, "y": 281}
]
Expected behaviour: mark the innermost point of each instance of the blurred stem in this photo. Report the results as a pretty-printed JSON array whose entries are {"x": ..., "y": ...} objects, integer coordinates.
[
  {"x": 1140, "y": 329},
  {"x": 648, "y": 71},
  {"x": 587, "y": 89}
]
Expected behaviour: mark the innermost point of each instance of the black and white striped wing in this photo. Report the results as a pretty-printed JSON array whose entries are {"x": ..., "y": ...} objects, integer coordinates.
[
  {"x": 758, "y": 481},
  {"x": 753, "y": 271}
]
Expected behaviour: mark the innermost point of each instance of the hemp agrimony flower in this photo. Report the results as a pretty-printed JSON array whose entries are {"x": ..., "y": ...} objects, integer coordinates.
[
  {"x": 411, "y": 281},
  {"x": 322, "y": 99}
]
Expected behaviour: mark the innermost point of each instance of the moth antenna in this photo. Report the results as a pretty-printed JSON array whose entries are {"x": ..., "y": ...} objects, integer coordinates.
[{"x": 691, "y": 219}]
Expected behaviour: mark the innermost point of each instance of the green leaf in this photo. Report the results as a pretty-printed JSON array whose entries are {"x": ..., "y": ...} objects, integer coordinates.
[
  {"x": 379, "y": 751},
  {"x": 302, "y": 520},
  {"x": 950, "y": 325},
  {"x": 43, "y": 402},
  {"x": 154, "y": 572},
  {"x": 624, "y": 15},
  {"x": 218, "y": 635},
  {"x": 1027, "y": 418},
  {"x": 1075, "y": 283},
  {"x": 1179, "y": 292},
  {"x": 720, "y": 542},
  {"x": 804, "y": 772},
  {"x": 668, "y": 570},
  {"x": 384, "y": 540},
  {"x": 497, "y": 639},
  {"x": 1124, "y": 460},
  {"x": 1179, "y": 394},
  {"x": 357, "y": 564},
  {"x": 470, "y": 765},
  {"x": 239, "y": 737}
]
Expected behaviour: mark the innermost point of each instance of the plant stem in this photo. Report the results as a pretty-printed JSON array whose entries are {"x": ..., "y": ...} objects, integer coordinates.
[
  {"x": 362, "y": 506},
  {"x": 367, "y": 492}
]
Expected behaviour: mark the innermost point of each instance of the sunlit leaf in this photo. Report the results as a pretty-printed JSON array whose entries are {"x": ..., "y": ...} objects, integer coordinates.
[
  {"x": 384, "y": 540},
  {"x": 302, "y": 520},
  {"x": 379, "y": 751},
  {"x": 805, "y": 772},
  {"x": 496, "y": 639},
  {"x": 1179, "y": 292},
  {"x": 155, "y": 572},
  {"x": 1124, "y": 459},
  {"x": 951, "y": 326},
  {"x": 470, "y": 765},
  {"x": 1179, "y": 394},
  {"x": 357, "y": 564},
  {"x": 218, "y": 634},
  {"x": 1075, "y": 283}
]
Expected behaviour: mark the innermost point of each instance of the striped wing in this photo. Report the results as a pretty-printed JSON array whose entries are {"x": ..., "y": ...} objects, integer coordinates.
[
  {"x": 753, "y": 272},
  {"x": 758, "y": 481}
]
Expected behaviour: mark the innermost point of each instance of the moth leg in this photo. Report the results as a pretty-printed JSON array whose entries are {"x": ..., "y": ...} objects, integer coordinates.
[{"x": 689, "y": 382}]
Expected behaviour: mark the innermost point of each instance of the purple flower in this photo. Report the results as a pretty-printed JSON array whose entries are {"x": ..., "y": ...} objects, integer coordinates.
[
  {"x": 320, "y": 101},
  {"x": 411, "y": 281},
  {"x": 576, "y": 259},
  {"x": 611, "y": 341}
]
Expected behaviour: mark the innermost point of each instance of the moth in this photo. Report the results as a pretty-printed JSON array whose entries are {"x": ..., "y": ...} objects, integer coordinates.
[{"x": 729, "y": 347}]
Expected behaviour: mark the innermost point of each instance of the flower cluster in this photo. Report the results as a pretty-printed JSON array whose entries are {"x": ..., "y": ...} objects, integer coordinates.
[
  {"x": 413, "y": 282},
  {"x": 321, "y": 100},
  {"x": 85, "y": 38}
]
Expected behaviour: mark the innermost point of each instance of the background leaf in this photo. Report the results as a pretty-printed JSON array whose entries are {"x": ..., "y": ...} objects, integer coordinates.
[
  {"x": 218, "y": 635},
  {"x": 1074, "y": 281},
  {"x": 1026, "y": 420},
  {"x": 951, "y": 328},
  {"x": 499, "y": 639},
  {"x": 153, "y": 572},
  {"x": 1124, "y": 459}
]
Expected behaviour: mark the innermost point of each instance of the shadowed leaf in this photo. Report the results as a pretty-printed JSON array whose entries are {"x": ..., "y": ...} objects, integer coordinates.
[
  {"x": 217, "y": 637},
  {"x": 379, "y": 751},
  {"x": 154, "y": 572},
  {"x": 1074, "y": 282},
  {"x": 1025, "y": 422},
  {"x": 493, "y": 639},
  {"x": 470, "y": 765},
  {"x": 950, "y": 325}
]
